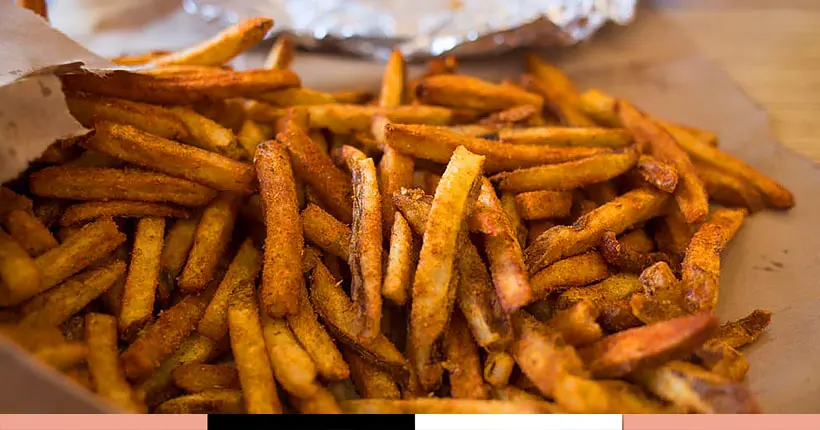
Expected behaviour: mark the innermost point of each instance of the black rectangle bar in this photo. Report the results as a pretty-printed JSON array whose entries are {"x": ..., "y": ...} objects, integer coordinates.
[{"x": 312, "y": 422}]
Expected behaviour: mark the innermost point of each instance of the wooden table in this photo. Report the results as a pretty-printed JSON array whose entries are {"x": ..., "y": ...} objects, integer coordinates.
[{"x": 772, "y": 50}]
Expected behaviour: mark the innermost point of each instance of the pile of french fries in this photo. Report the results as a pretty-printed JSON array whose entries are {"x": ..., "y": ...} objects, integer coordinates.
[{"x": 228, "y": 241}]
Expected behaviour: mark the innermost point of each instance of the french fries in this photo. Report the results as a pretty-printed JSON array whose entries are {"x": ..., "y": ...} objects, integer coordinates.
[
  {"x": 140, "y": 287},
  {"x": 370, "y": 381},
  {"x": 291, "y": 365},
  {"x": 29, "y": 232},
  {"x": 104, "y": 365},
  {"x": 196, "y": 378},
  {"x": 498, "y": 367},
  {"x": 570, "y": 272},
  {"x": 727, "y": 189},
  {"x": 84, "y": 212},
  {"x": 567, "y": 137},
  {"x": 223, "y": 47},
  {"x": 543, "y": 204},
  {"x": 398, "y": 272},
  {"x": 461, "y": 91},
  {"x": 281, "y": 53},
  {"x": 661, "y": 175},
  {"x": 19, "y": 274},
  {"x": 175, "y": 248},
  {"x": 157, "y": 120},
  {"x": 462, "y": 361},
  {"x": 205, "y": 402}
]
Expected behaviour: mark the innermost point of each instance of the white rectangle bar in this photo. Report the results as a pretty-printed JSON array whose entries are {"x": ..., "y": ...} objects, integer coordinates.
[{"x": 519, "y": 422}]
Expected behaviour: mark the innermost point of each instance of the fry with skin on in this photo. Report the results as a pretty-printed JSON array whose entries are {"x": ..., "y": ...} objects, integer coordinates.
[
  {"x": 196, "y": 378},
  {"x": 616, "y": 216},
  {"x": 140, "y": 287},
  {"x": 291, "y": 365},
  {"x": 83, "y": 212},
  {"x": 510, "y": 116},
  {"x": 208, "y": 134},
  {"x": 365, "y": 258},
  {"x": 727, "y": 189},
  {"x": 611, "y": 297},
  {"x": 395, "y": 173},
  {"x": 213, "y": 234},
  {"x": 94, "y": 183},
  {"x": 498, "y": 367},
  {"x": 9, "y": 201},
  {"x": 205, "y": 402},
  {"x": 661, "y": 175},
  {"x": 441, "y": 406},
  {"x": 248, "y": 346},
  {"x": 347, "y": 156},
  {"x": 29, "y": 232},
  {"x": 431, "y": 305},
  {"x": 570, "y": 272},
  {"x": 511, "y": 210},
  {"x": 568, "y": 175},
  {"x": 370, "y": 381},
  {"x": 281, "y": 275},
  {"x": 662, "y": 298},
  {"x": 625, "y": 260},
  {"x": 744, "y": 331},
  {"x": 637, "y": 240},
  {"x": 326, "y": 232},
  {"x": 222, "y": 47},
  {"x": 701, "y": 266},
  {"x": 281, "y": 53},
  {"x": 577, "y": 324},
  {"x": 462, "y": 361},
  {"x": 104, "y": 364},
  {"x": 567, "y": 136},
  {"x": 89, "y": 109},
  {"x": 543, "y": 204},
  {"x": 462, "y": 91},
  {"x": 398, "y": 273}
]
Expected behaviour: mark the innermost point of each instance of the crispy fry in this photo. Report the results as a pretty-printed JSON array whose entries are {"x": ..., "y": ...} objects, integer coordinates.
[
  {"x": 580, "y": 395},
  {"x": 701, "y": 266},
  {"x": 558, "y": 86},
  {"x": 568, "y": 175},
  {"x": 213, "y": 234},
  {"x": 663, "y": 297},
  {"x": 139, "y": 292},
  {"x": 251, "y": 135},
  {"x": 222, "y": 47},
  {"x": 745, "y": 330},
  {"x": 462, "y": 91},
  {"x": 370, "y": 381},
  {"x": 510, "y": 116},
  {"x": 346, "y": 118},
  {"x": 175, "y": 248},
  {"x": 89, "y": 109},
  {"x": 689, "y": 193},
  {"x": 577, "y": 324},
  {"x": 662, "y": 175},
  {"x": 291, "y": 365},
  {"x": 697, "y": 390},
  {"x": 281, "y": 53},
  {"x": 183, "y": 69},
  {"x": 243, "y": 270},
  {"x": 58, "y": 304},
  {"x": 346, "y": 156},
  {"x": 393, "y": 82},
  {"x": 83, "y": 212},
  {"x": 282, "y": 276},
  {"x": 395, "y": 173},
  {"x": 559, "y": 105},
  {"x": 616, "y": 216},
  {"x": 324, "y": 402},
  {"x": 727, "y": 189},
  {"x": 326, "y": 232},
  {"x": 616, "y": 355},
  {"x": 436, "y": 144},
  {"x": 508, "y": 205},
  {"x": 567, "y": 137},
  {"x": 441, "y": 406},
  {"x": 29, "y": 232},
  {"x": 431, "y": 305},
  {"x": 206, "y": 402},
  {"x": 498, "y": 367},
  {"x": 316, "y": 169},
  {"x": 398, "y": 273},
  {"x": 543, "y": 204},
  {"x": 611, "y": 297},
  {"x": 570, "y": 272},
  {"x": 196, "y": 378},
  {"x": 462, "y": 361},
  {"x": 625, "y": 260},
  {"x": 104, "y": 364},
  {"x": 208, "y": 134},
  {"x": 181, "y": 89}
]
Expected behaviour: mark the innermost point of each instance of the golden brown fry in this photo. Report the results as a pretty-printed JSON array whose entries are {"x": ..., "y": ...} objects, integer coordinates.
[
  {"x": 508, "y": 205},
  {"x": 637, "y": 240},
  {"x": 346, "y": 156},
  {"x": 513, "y": 394},
  {"x": 625, "y": 260},
  {"x": 83, "y": 212},
  {"x": 542, "y": 355},
  {"x": 222, "y": 47},
  {"x": 9, "y": 201},
  {"x": 673, "y": 233},
  {"x": 326, "y": 232},
  {"x": 434, "y": 405},
  {"x": 282, "y": 276},
  {"x": 196, "y": 378},
  {"x": 181, "y": 89},
  {"x": 567, "y": 137},
  {"x": 251, "y": 135},
  {"x": 139, "y": 292},
  {"x": 209, "y": 135},
  {"x": 398, "y": 273},
  {"x": 543, "y": 204},
  {"x": 615, "y": 355},
  {"x": 29, "y": 232},
  {"x": 559, "y": 85},
  {"x": 213, "y": 234},
  {"x": 580, "y": 395},
  {"x": 662, "y": 298},
  {"x": 138, "y": 59},
  {"x": 32, "y": 338},
  {"x": 701, "y": 267},
  {"x": 570, "y": 272},
  {"x": 689, "y": 193},
  {"x": 568, "y": 175},
  {"x": 510, "y": 116},
  {"x": 431, "y": 303},
  {"x": 316, "y": 169},
  {"x": 291, "y": 365},
  {"x": 206, "y": 402},
  {"x": 616, "y": 216},
  {"x": 611, "y": 297},
  {"x": 73, "y": 328},
  {"x": 248, "y": 346},
  {"x": 395, "y": 173},
  {"x": 393, "y": 82},
  {"x": 370, "y": 381},
  {"x": 436, "y": 144},
  {"x": 58, "y": 304},
  {"x": 183, "y": 69},
  {"x": 62, "y": 356},
  {"x": 721, "y": 359},
  {"x": 89, "y": 109},
  {"x": 559, "y": 105},
  {"x": 104, "y": 364},
  {"x": 662, "y": 175},
  {"x": 577, "y": 324},
  {"x": 175, "y": 248},
  {"x": 347, "y": 118},
  {"x": 462, "y": 361},
  {"x": 281, "y": 53},
  {"x": 323, "y": 402},
  {"x": 745, "y": 330},
  {"x": 498, "y": 367},
  {"x": 461, "y": 91},
  {"x": 728, "y": 189},
  {"x": 697, "y": 390}
]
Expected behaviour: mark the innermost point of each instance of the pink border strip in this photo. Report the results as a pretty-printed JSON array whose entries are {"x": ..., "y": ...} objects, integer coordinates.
[
  {"x": 103, "y": 422},
  {"x": 721, "y": 422}
]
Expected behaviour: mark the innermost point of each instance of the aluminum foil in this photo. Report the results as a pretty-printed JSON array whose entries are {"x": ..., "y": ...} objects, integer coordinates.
[{"x": 425, "y": 28}]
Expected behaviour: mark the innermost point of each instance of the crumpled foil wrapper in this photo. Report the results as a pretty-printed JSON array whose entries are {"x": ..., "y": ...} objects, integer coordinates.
[{"x": 424, "y": 28}]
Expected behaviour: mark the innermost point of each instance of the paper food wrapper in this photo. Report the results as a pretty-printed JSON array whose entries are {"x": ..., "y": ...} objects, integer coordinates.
[{"x": 772, "y": 263}]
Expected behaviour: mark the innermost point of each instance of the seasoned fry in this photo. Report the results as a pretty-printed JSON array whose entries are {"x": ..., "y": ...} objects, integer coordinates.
[
  {"x": 393, "y": 82},
  {"x": 625, "y": 260},
  {"x": 326, "y": 232},
  {"x": 567, "y": 137},
  {"x": 29, "y": 232},
  {"x": 323, "y": 402},
  {"x": 213, "y": 234},
  {"x": 462, "y": 361},
  {"x": 181, "y": 89},
  {"x": 441, "y": 406},
  {"x": 83, "y": 212},
  {"x": 727, "y": 189},
  {"x": 721, "y": 359},
  {"x": 673, "y": 233},
  {"x": 436, "y": 144},
  {"x": 196, "y": 378},
  {"x": 243, "y": 270},
  {"x": 513, "y": 394},
  {"x": 89, "y": 109},
  {"x": 281, "y": 53},
  {"x": 498, "y": 367},
  {"x": 577, "y": 324},
  {"x": 347, "y": 118},
  {"x": 9, "y": 201},
  {"x": 175, "y": 248},
  {"x": 701, "y": 266},
  {"x": 251, "y": 135},
  {"x": 461, "y": 91},
  {"x": 580, "y": 395},
  {"x": 93, "y": 183},
  {"x": 615, "y": 355},
  {"x": 576, "y": 271},
  {"x": 62, "y": 356},
  {"x": 689, "y": 193},
  {"x": 637, "y": 240},
  {"x": 208, "y": 134},
  {"x": 745, "y": 330},
  {"x": 222, "y": 47},
  {"x": 206, "y": 402},
  {"x": 663, "y": 296},
  {"x": 616, "y": 216},
  {"x": 395, "y": 173},
  {"x": 282, "y": 277},
  {"x": 568, "y": 175},
  {"x": 163, "y": 337},
  {"x": 104, "y": 365},
  {"x": 398, "y": 273},
  {"x": 346, "y": 156},
  {"x": 58, "y": 304},
  {"x": 611, "y": 297},
  {"x": 316, "y": 169},
  {"x": 543, "y": 204},
  {"x": 661, "y": 175},
  {"x": 431, "y": 305},
  {"x": 508, "y": 205},
  {"x": 139, "y": 292},
  {"x": 561, "y": 96},
  {"x": 248, "y": 346},
  {"x": 370, "y": 381},
  {"x": 291, "y": 365}
]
